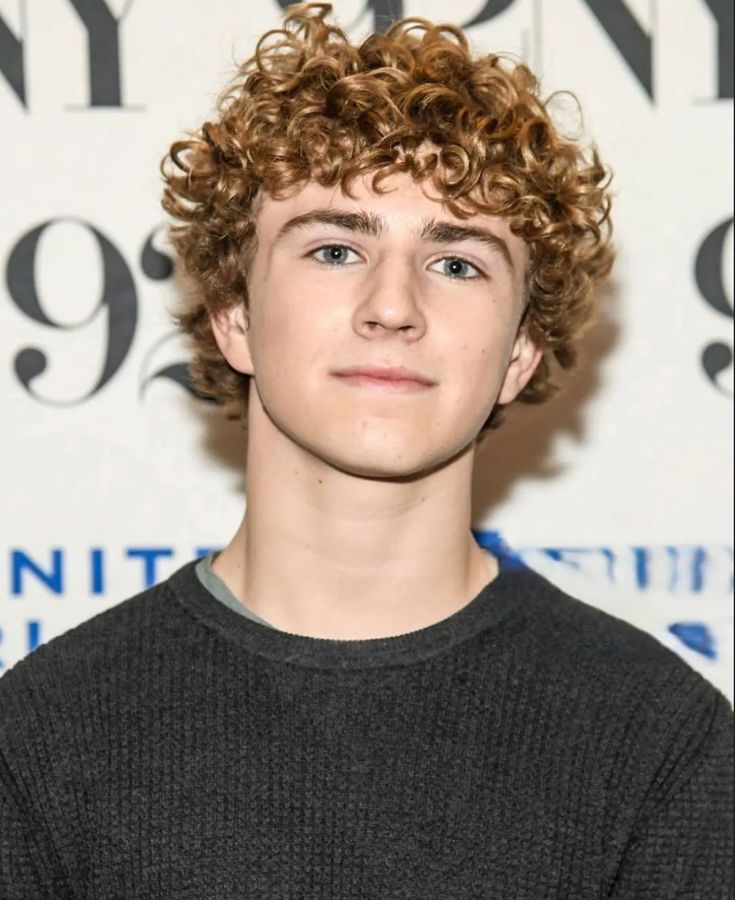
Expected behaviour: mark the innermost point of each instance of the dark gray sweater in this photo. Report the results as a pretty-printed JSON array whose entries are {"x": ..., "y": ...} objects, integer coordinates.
[{"x": 528, "y": 747}]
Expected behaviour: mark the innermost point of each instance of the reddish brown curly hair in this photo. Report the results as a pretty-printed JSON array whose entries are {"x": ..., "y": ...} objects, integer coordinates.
[{"x": 311, "y": 105}]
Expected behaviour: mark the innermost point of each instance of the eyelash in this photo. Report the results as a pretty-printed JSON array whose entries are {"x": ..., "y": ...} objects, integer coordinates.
[{"x": 480, "y": 273}]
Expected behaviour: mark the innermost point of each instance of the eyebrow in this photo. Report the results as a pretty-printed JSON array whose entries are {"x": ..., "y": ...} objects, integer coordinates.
[
  {"x": 449, "y": 233},
  {"x": 365, "y": 223},
  {"x": 374, "y": 225}
]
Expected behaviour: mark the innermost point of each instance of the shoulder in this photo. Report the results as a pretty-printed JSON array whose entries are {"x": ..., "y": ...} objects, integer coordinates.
[
  {"x": 561, "y": 623},
  {"x": 104, "y": 633},
  {"x": 627, "y": 665},
  {"x": 89, "y": 666},
  {"x": 656, "y": 721},
  {"x": 65, "y": 704}
]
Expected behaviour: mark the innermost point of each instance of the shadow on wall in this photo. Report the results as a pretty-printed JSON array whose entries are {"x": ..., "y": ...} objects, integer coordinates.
[
  {"x": 522, "y": 446},
  {"x": 223, "y": 440}
]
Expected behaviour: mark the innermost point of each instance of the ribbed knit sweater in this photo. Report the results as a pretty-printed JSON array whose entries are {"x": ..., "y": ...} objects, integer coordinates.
[{"x": 528, "y": 747}]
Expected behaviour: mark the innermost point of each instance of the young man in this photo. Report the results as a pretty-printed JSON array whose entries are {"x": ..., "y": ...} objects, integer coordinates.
[{"x": 353, "y": 700}]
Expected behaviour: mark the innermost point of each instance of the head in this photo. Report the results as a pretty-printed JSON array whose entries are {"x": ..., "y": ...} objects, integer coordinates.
[{"x": 396, "y": 203}]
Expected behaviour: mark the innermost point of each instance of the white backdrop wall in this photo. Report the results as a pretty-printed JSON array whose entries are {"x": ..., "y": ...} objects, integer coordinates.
[{"x": 113, "y": 475}]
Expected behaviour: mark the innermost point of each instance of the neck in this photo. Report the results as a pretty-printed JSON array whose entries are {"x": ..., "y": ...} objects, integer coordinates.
[{"x": 324, "y": 553}]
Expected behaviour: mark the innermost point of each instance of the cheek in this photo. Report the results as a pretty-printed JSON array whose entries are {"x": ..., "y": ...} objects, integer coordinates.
[
  {"x": 290, "y": 340},
  {"x": 475, "y": 367},
  {"x": 480, "y": 360},
  {"x": 481, "y": 385}
]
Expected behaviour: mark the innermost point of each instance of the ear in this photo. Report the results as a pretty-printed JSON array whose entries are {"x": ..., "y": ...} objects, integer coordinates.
[
  {"x": 230, "y": 328},
  {"x": 524, "y": 360}
]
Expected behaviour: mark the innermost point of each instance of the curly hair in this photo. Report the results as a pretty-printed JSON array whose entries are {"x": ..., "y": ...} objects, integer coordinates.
[{"x": 310, "y": 105}]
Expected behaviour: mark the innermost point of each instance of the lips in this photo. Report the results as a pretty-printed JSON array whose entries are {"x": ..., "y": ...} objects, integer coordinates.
[{"x": 389, "y": 374}]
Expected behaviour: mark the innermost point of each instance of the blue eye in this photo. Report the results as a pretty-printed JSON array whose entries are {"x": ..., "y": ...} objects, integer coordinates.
[
  {"x": 458, "y": 268},
  {"x": 332, "y": 254}
]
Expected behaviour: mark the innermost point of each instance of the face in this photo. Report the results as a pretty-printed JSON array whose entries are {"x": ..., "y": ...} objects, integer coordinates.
[{"x": 382, "y": 329}]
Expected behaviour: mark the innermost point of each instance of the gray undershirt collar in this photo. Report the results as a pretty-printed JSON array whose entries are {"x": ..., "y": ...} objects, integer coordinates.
[{"x": 214, "y": 584}]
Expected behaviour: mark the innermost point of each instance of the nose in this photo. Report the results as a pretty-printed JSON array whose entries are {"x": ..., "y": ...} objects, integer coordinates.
[{"x": 390, "y": 304}]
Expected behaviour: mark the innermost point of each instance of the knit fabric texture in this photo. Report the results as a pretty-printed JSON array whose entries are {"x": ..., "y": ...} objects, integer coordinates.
[{"x": 528, "y": 747}]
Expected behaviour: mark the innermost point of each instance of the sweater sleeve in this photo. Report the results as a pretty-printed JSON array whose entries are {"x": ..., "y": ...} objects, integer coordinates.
[
  {"x": 26, "y": 872},
  {"x": 682, "y": 848},
  {"x": 19, "y": 854}
]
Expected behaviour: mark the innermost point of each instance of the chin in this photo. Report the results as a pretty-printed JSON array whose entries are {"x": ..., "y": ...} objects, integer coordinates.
[
  {"x": 386, "y": 447},
  {"x": 388, "y": 459},
  {"x": 379, "y": 469}
]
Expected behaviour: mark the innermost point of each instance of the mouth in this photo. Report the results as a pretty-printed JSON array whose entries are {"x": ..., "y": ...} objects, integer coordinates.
[
  {"x": 392, "y": 379},
  {"x": 393, "y": 374}
]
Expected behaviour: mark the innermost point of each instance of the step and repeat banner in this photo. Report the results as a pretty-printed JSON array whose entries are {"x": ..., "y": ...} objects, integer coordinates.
[{"x": 114, "y": 475}]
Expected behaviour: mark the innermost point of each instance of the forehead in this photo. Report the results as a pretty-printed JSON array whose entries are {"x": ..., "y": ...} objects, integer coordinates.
[{"x": 403, "y": 206}]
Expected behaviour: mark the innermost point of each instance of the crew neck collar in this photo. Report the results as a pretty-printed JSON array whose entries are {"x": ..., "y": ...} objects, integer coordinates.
[{"x": 498, "y": 600}]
